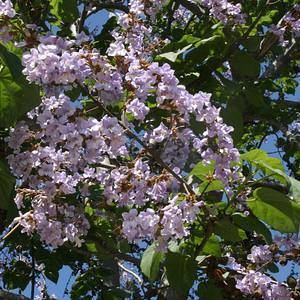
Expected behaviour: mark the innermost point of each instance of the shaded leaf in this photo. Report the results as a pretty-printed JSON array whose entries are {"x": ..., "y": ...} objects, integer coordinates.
[
  {"x": 244, "y": 66},
  {"x": 64, "y": 10},
  {"x": 181, "y": 271},
  {"x": 228, "y": 231},
  {"x": 250, "y": 223},
  {"x": 212, "y": 246},
  {"x": 150, "y": 262},
  {"x": 209, "y": 291}
]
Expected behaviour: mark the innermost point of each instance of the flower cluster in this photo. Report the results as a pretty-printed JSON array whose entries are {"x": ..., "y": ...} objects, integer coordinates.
[
  {"x": 182, "y": 16},
  {"x": 52, "y": 62},
  {"x": 295, "y": 127},
  {"x": 55, "y": 223},
  {"x": 59, "y": 164},
  {"x": 70, "y": 152},
  {"x": 258, "y": 283},
  {"x": 290, "y": 23},
  {"x": 6, "y": 12},
  {"x": 251, "y": 282},
  {"x": 6, "y": 9},
  {"x": 225, "y": 11},
  {"x": 260, "y": 254}
]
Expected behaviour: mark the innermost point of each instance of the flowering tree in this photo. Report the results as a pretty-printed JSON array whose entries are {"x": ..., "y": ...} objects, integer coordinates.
[{"x": 133, "y": 154}]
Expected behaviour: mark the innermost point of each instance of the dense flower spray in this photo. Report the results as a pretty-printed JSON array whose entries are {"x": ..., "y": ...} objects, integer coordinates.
[
  {"x": 71, "y": 150},
  {"x": 60, "y": 153}
]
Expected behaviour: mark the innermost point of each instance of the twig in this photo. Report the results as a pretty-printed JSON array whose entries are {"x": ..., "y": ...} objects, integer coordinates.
[
  {"x": 140, "y": 280},
  {"x": 82, "y": 18},
  {"x": 118, "y": 255},
  {"x": 10, "y": 232},
  {"x": 193, "y": 7},
  {"x": 109, "y": 6},
  {"x": 280, "y": 62}
]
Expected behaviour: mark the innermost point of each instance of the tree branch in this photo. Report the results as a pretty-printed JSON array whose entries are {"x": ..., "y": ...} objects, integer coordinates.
[
  {"x": 275, "y": 186},
  {"x": 121, "y": 256},
  {"x": 283, "y": 60},
  {"x": 109, "y": 6},
  {"x": 10, "y": 296},
  {"x": 193, "y": 7}
]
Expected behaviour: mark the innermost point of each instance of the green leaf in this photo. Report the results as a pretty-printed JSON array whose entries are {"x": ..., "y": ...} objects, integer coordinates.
[
  {"x": 181, "y": 271},
  {"x": 203, "y": 171},
  {"x": 16, "y": 99},
  {"x": 209, "y": 291},
  {"x": 212, "y": 246},
  {"x": 269, "y": 165},
  {"x": 244, "y": 66},
  {"x": 294, "y": 185},
  {"x": 150, "y": 262},
  {"x": 255, "y": 99},
  {"x": 273, "y": 268},
  {"x": 12, "y": 62},
  {"x": 275, "y": 209},
  {"x": 233, "y": 116},
  {"x": 250, "y": 223},
  {"x": 269, "y": 18},
  {"x": 65, "y": 11},
  {"x": 208, "y": 186},
  {"x": 17, "y": 96},
  {"x": 252, "y": 43},
  {"x": 17, "y": 276},
  {"x": 52, "y": 274},
  {"x": 228, "y": 231},
  {"x": 172, "y": 56},
  {"x": 204, "y": 48},
  {"x": 91, "y": 247}
]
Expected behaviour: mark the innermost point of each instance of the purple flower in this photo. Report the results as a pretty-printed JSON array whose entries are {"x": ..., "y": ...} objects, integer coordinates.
[
  {"x": 138, "y": 109},
  {"x": 260, "y": 254}
]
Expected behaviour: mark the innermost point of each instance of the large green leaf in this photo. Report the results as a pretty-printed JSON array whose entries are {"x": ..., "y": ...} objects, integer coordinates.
[
  {"x": 251, "y": 224},
  {"x": 212, "y": 246},
  {"x": 18, "y": 276},
  {"x": 151, "y": 261},
  {"x": 12, "y": 61},
  {"x": 294, "y": 185},
  {"x": 204, "y": 49},
  {"x": 273, "y": 166},
  {"x": 233, "y": 116},
  {"x": 64, "y": 10},
  {"x": 17, "y": 96},
  {"x": 269, "y": 165},
  {"x": 275, "y": 209},
  {"x": 181, "y": 271},
  {"x": 203, "y": 171},
  {"x": 16, "y": 99}
]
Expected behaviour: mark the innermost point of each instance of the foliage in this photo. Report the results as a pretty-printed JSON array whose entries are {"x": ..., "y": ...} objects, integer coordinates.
[{"x": 116, "y": 162}]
